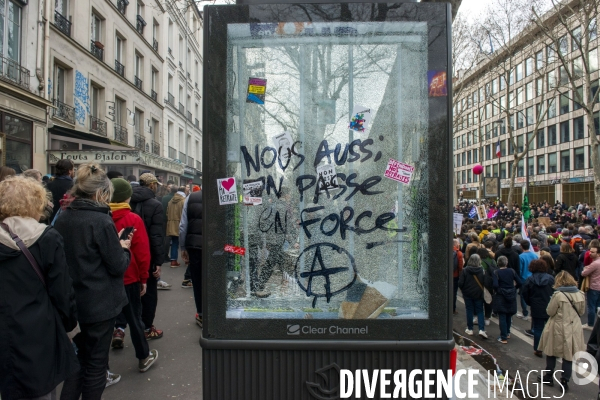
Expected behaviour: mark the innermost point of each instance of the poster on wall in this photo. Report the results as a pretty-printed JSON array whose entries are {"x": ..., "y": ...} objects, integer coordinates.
[
  {"x": 327, "y": 178},
  {"x": 253, "y": 190},
  {"x": 359, "y": 121},
  {"x": 257, "y": 88},
  {"x": 227, "y": 191},
  {"x": 283, "y": 144}
]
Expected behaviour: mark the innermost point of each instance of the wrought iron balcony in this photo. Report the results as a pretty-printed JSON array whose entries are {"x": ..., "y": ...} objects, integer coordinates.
[
  {"x": 170, "y": 99},
  {"x": 140, "y": 142},
  {"x": 97, "y": 126},
  {"x": 137, "y": 82},
  {"x": 155, "y": 148},
  {"x": 197, "y": 88},
  {"x": 155, "y": 44},
  {"x": 189, "y": 76},
  {"x": 11, "y": 71},
  {"x": 172, "y": 153},
  {"x": 62, "y": 23},
  {"x": 190, "y": 162},
  {"x": 154, "y": 95},
  {"x": 190, "y": 118},
  {"x": 198, "y": 165},
  {"x": 120, "y": 134},
  {"x": 97, "y": 51},
  {"x": 180, "y": 65},
  {"x": 140, "y": 24},
  {"x": 182, "y": 157},
  {"x": 197, "y": 123},
  {"x": 64, "y": 112},
  {"x": 170, "y": 52},
  {"x": 122, "y": 6},
  {"x": 120, "y": 68},
  {"x": 181, "y": 109}
]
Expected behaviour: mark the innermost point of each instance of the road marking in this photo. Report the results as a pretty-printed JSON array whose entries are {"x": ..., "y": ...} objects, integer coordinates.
[{"x": 529, "y": 340}]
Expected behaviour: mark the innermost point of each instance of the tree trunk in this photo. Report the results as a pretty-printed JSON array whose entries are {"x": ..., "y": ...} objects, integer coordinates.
[
  {"x": 595, "y": 161},
  {"x": 513, "y": 175}
]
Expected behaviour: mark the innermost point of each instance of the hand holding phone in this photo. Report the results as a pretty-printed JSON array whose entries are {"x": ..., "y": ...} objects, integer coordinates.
[{"x": 125, "y": 233}]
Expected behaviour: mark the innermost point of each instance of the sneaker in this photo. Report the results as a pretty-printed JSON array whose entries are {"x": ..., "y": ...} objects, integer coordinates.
[
  {"x": 487, "y": 322},
  {"x": 508, "y": 336},
  {"x": 494, "y": 315},
  {"x": 519, "y": 315},
  {"x": 469, "y": 331},
  {"x": 112, "y": 379},
  {"x": 147, "y": 362},
  {"x": 162, "y": 285},
  {"x": 483, "y": 334},
  {"x": 118, "y": 338},
  {"x": 187, "y": 284},
  {"x": 546, "y": 380},
  {"x": 527, "y": 318},
  {"x": 503, "y": 341},
  {"x": 153, "y": 333},
  {"x": 587, "y": 327},
  {"x": 529, "y": 332},
  {"x": 174, "y": 264},
  {"x": 199, "y": 320}
]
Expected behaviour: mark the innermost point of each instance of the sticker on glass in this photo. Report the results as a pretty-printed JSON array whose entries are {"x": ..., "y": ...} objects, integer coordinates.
[
  {"x": 327, "y": 178},
  {"x": 283, "y": 144},
  {"x": 253, "y": 189},
  {"x": 398, "y": 171},
  {"x": 361, "y": 116},
  {"x": 227, "y": 191},
  {"x": 436, "y": 81},
  {"x": 235, "y": 249},
  {"x": 257, "y": 88}
]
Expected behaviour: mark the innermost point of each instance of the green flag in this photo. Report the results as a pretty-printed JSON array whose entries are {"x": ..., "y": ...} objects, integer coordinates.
[{"x": 525, "y": 208}]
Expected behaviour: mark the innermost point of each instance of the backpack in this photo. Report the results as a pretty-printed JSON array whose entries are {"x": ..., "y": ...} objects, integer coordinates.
[
  {"x": 455, "y": 260},
  {"x": 578, "y": 244}
]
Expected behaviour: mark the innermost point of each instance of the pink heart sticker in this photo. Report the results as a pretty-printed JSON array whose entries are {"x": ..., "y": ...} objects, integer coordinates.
[{"x": 227, "y": 184}]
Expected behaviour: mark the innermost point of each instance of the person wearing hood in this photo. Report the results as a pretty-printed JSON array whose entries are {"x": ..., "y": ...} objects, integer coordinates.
[
  {"x": 537, "y": 291},
  {"x": 97, "y": 260},
  {"x": 37, "y": 311},
  {"x": 174, "y": 211},
  {"x": 145, "y": 205},
  {"x": 504, "y": 301},
  {"x": 470, "y": 283},
  {"x": 593, "y": 294},
  {"x": 135, "y": 276},
  {"x": 563, "y": 334},
  {"x": 566, "y": 260},
  {"x": 554, "y": 248}
]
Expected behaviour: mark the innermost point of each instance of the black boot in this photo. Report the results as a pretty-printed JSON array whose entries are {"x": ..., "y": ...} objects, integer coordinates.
[
  {"x": 548, "y": 379},
  {"x": 565, "y": 383}
]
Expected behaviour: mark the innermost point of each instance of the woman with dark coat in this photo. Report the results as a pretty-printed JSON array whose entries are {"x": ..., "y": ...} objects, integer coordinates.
[
  {"x": 470, "y": 283},
  {"x": 508, "y": 251},
  {"x": 97, "y": 261},
  {"x": 35, "y": 352},
  {"x": 566, "y": 260},
  {"x": 537, "y": 291},
  {"x": 506, "y": 283}
]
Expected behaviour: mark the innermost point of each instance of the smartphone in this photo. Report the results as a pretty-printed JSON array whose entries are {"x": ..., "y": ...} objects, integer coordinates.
[{"x": 126, "y": 233}]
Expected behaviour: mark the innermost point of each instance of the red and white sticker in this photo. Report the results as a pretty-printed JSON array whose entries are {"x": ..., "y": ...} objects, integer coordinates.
[
  {"x": 235, "y": 250},
  {"x": 398, "y": 171}
]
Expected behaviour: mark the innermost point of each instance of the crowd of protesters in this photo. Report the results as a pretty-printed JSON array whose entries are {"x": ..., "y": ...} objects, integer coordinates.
[
  {"x": 551, "y": 271},
  {"x": 81, "y": 256}
]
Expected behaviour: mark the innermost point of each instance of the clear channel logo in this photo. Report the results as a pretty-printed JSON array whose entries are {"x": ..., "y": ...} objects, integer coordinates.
[{"x": 331, "y": 330}]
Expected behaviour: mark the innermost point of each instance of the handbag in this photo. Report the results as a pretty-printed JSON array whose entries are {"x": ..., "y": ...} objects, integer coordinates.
[
  {"x": 487, "y": 297},
  {"x": 26, "y": 252},
  {"x": 585, "y": 284}
]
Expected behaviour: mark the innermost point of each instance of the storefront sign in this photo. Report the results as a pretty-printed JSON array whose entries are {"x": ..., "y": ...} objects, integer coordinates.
[{"x": 164, "y": 164}]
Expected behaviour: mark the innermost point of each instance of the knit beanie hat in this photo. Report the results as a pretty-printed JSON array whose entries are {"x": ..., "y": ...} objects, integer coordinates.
[{"x": 122, "y": 190}]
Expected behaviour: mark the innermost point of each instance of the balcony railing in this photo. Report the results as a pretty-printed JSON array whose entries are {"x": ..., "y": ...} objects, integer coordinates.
[
  {"x": 170, "y": 99},
  {"x": 190, "y": 162},
  {"x": 189, "y": 76},
  {"x": 97, "y": 51},
  {"x": 140, "y": 142},
  {"x": 182, "y": 157},
  {"x": 180, "y": 65},
  {"x": 11, "y": 71},
  {"x": 122, "y": 6},
  {"x": 181, "y": 109},
  {"x": 170, "y": 52},
  {"x": 190, "y": 118},
  {"x": 155, "y": 44},
  {"x": 121, "y": 134},
  {"x": 63, "y": 111},
  {"x": 172, "y": 153},
  {"x": 140, "y": 24},
  {"x": 197, "y": 88},
  {"x": 198, "y": 165},
  {"x": 197, "y": 123},
  {"x": 120, "y": 68},
  {"x": 155, "y": 148},
  {"x": 137, "y": 82},
  {"x": 62, "y": 23},
  {"x": 153, "y": 94},
  {"x": 97, "y": 126}
]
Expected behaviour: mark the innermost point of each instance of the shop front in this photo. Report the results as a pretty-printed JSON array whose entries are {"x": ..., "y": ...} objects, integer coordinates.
[{"x": 580, "y": 189}]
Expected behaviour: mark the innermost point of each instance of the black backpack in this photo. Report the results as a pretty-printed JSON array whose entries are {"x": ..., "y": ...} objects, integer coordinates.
[{"x": 455, "y": 260}]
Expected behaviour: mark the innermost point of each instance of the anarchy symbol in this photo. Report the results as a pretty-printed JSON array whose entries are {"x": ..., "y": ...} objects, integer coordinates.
[{"x": 323, "y": 271}]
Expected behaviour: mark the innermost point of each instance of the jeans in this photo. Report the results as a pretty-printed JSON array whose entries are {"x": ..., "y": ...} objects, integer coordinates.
[
  {"x": 537, "y": 327},
  {"x": 133, "y": 314},
  {"x": 93, "y": 343},
  {"x": 187, "y": 275},
  {"x": 524, "y": 306},
  {"x": 455, "y": 293},
  {"x": 150, "y": 301},
  {"x": 474, "y": 306},
  {"x": 567, "y": 367},
  {"x": 593, "y": 302},
  {"x": 505, "y": 320},
  {"x": 174, "y": 247},
  {"x": 195, "y": 268}
]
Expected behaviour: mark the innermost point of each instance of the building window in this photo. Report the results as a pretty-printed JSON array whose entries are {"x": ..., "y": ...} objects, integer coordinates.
[
  {"x": 155, "y": 35},
  {"x": 511, "y": 146},
  {"x": 468, "y": 157},
  {"x": 520, "y": 120},
  {"x": 564, "y": 104},
  {"x": 539, "y": 86},
  {"x": 578, "y": 128},
  {"x": 593, "y": 64},
  {"x": 576, "y": 38},
  {"x": 464, "y": 159},
  {"x": 565, "y": 161},
  {"x": 528, "y": 66},
  {"x": 503, "y": 171},
  {"x": 10, "y": 31},
  {"x": 139, "y": 70},
  {"x": 60, "y": 75},
  {"x": 502, "y": 82},
  {"x": 539, "y": 60},
  {"x": 565, "y": 134},
  {"x": 519, "y": 72},
  {"x": 530, "y": 166},
  {"x": 552, "y": 168},
  {"x": 520, "y": 143},
  {"x": 551, "y": 108},
  {"x": 562, "y": 75},
  {"x": 552, "y": 135},
  {"x": 495, "y": 86},
  {"x": 521, "y": 168},
  {"x": 578, "y": 67},
  {"x": 520, "y": 95},
  {"x": 96, "y": 28},
  {"x": 475, "y": 155},
  {"x": 579, "y": 158},
  {"x": 95, "y": 101},
  {"x": 487, "y": 152},
  {"x": 577, "y": 94},
  {"x": 541, "y": 138},
  {"x": 529, "y": 115},
  {"x": 563, "y": 45},
  {"x": 552, "y": 82},
  {"x": 593, "y": 29},
  {"x": 19, "y": 142},
  {"x": 541, "y": 164},
  {"x": 551, "y": 53},
  {"x": 529, "y": 91}
]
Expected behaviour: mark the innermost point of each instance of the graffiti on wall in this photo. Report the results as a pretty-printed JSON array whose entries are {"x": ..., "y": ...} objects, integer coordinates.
[{"x": 82, "y": 98}]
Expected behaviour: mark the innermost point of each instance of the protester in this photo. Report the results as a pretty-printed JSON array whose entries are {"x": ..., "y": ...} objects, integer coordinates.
[
  {"x": 536, "y": 292},
  {"x": 5, "y": 172},
  {"x": 33, "y": 174},
  {"x": 470, "y": 283},
  {"x": 563, "y": 334},
  {"x": 489, "y": 268},
  {"x": 165, "y": 203},
  {"x": 62, "y": 183},
  {"x": 458, "y": 262},
  {"x": 593, "y": 294},
  {"x": 97, "y": 262},
  {"x": 511, "y": 255},
  {"x": 567, "y": 260},
  {"x": 506, "y": 282},
  {"x": 114, "y": 174},
  {"x": 525, "y": 259},
  {"x": 174, "y": 211},
  {"x": 37, "y": 310}
]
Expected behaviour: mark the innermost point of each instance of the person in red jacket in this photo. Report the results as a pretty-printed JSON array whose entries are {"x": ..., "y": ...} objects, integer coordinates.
[
  {"x": 135, "y": 276},
  {"x": 461, "y": 261}
]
